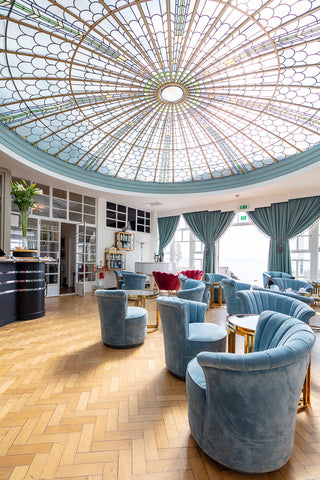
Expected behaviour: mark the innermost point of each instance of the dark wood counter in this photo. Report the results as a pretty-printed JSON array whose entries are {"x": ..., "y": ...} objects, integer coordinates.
[{"x": 22, "y": 288}]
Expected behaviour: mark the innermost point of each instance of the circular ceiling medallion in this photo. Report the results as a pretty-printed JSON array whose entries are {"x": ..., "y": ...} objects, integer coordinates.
[{"x": 162, "y": 92}]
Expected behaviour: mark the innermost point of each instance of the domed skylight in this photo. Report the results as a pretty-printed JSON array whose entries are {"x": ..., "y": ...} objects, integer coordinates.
[{"x": 165, "y": 92}]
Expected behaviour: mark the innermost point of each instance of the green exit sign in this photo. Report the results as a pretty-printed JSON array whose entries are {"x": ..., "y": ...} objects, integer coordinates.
[
  {"x": 243, "y": 218},
  {"x": 243, "y": 207}
]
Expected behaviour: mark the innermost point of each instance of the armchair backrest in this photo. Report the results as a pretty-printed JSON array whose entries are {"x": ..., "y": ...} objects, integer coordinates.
[
  {"x": 230, "y": 288},
  {"x": 302, "y": 298},
  {"x": 284, "y": 283},
  {"x": 268, "y": 276},
  {"x": 112, "y": 305},
  {"x": 166, "y": 281},
  {"x": 134, "y": 281},
  {"x": 193, "y": 290},
  {"x": 174, "y": 314},
  {"x": 213, "y": 277},
  {"x": 256, "y": 301},
  {"x": 252, "y": 399},
  {"x": 188, "y": 283}
]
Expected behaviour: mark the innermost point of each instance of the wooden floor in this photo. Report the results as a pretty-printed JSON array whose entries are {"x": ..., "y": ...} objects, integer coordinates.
[{"x": 72, "y": 408}]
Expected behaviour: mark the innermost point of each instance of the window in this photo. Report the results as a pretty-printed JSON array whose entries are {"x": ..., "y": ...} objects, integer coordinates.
[
  {"x": 304, "y": 251},
  {"x": 119, "y": 216},
  {"x": 243, "y": 251},
  {"x": 184, "y": 249}
]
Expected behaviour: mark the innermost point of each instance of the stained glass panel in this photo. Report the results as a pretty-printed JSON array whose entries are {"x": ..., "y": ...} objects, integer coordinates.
[{"x": 92, "y": 85}]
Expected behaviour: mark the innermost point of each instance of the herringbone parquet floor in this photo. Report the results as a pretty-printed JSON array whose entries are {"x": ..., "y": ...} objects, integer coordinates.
[{"x": 74, "y": 409}]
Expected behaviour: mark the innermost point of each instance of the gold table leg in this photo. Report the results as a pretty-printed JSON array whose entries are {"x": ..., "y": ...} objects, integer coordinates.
[{"x": 306, "y": 389}]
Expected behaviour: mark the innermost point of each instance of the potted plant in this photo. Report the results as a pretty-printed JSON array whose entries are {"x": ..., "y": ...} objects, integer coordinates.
[{"x": 23, "y": 196}]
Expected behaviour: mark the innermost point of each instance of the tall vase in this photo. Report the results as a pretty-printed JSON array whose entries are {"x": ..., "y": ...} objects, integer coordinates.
[{"x": 24, "y": 216}]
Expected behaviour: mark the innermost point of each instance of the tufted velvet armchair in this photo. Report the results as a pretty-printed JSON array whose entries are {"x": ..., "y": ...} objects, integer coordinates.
[
  {"x": 284, "y": 283},
  {"x": 256, "y": 301},
  {"x": 231, "y": 288},
  {"x": 134, "y": 281},
  {"x": 268, "y": 276},
  {"x": 196, "y": 290},
  {"x": 213, "y": 278},
  {"x": 166, "y": 281},
  {"x": 242, "y": 408},
  {"x": 185, "y": 333},
  {"x": 121, "y": 326}
]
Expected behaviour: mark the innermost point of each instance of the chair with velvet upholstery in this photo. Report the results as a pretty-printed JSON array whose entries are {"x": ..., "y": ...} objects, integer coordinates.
[
  {"x": 267, "y": 277},
  {"x": 195, "y": 274},
  {"x": 134, "y": 281},
  {"x": 296, "y": 285},
  {"x": 256, "y": 301},
  {"x": 213, "y": 278},
  {"x": 231, "y": 288},
  {"x": 119, "y": 278},
  {"x": 166, "y": 281},
  {"x": 185, "y": 333},
  {"x": 192, "y": 292},
  {"x": 121, "y": 326},
  {"x": 305, "y": 299},
  {"x": 242, "y": 408},
  {"x": 196, "y": 290}
]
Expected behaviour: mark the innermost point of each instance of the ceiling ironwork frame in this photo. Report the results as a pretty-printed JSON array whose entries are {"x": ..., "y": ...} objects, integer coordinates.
[{"x": 251, "y": 95}]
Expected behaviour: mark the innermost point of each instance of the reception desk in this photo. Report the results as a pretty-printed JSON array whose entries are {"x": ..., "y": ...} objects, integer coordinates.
[
  {"x": 22, "y": 288},
  {"x": 148, "y": 267}
]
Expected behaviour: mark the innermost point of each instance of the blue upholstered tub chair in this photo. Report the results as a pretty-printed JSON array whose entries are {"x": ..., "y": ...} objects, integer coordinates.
[
  {"x": 196, "y": 290},
  {"x": 119, "y": 278},
  {"x": 212, "y": 278},
  {"x": 185, "y": 334},
  {"x": 121, "y": 326},
  {"x": 256, "y": 301},
  {"x": 302, "y": 298},
  {"x": 134, "y": 281},
  {"x": 267, "y": 276},
  {"x": 242, "y": 408},
  {"x": 284, "y": 283},
  {"x": 231, "y": 288}
]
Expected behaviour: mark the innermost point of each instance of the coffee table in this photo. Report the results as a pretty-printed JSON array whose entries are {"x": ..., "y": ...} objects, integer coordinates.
[
  {"x": 139, "y": 298},
  {"x": 245, "y": 325}
]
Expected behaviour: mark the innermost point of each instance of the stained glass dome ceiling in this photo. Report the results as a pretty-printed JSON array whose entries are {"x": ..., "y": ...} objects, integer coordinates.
[{"x": 162, "y": 91}]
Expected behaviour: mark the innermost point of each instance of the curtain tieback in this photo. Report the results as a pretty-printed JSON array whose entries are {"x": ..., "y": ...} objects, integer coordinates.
[{"x": 280, "y": 240}]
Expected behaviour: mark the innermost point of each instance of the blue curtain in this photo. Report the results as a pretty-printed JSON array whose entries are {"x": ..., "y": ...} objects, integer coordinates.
[
  {"x": 283, "y": 221},
  {"x": 166, "y": 228},
  {"x": 208, "y": 227}
]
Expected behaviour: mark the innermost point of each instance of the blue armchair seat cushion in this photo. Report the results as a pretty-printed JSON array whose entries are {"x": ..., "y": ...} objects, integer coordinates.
[{"x": 206, "y": 332}]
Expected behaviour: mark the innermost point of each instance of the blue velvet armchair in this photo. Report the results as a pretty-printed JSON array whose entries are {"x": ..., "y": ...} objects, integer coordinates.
[
  {"x": 296, "y": 285},
  {"x": 121, "y": 326},
  {"x": 185, "y": 334},
  {"x": 242, "y": 408},
  {"x": 305, "y": 299},
  {"x": 231, "y": 288},
  {"x": 268, "y": 276},
  {"x": 256, "y": 301},
  {"x": 119, "y": 278},
  {"x": 212, "y": 278},
  {"x": 196, "y": 290},
  {"x": 134, "y": 281}
]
